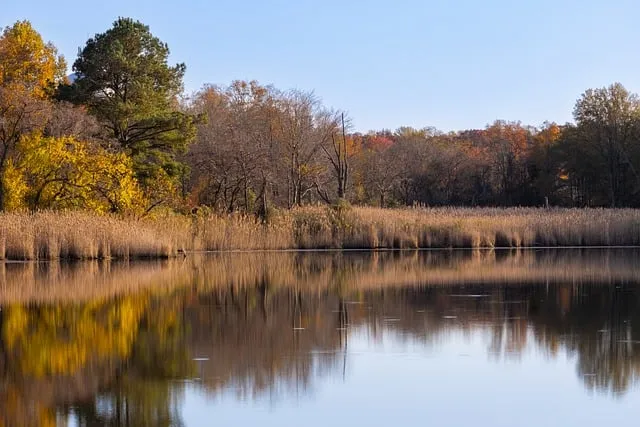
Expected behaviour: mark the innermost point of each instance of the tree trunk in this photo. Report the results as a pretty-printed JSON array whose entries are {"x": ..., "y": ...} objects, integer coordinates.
[
  {"x": 3, "y": 164},
  {"x": 344, "y": 164},
  {"x": 264, "y": 207}
]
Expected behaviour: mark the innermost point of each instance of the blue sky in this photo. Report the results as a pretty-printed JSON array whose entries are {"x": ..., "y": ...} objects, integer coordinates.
[{"x": 452, "y": 64}]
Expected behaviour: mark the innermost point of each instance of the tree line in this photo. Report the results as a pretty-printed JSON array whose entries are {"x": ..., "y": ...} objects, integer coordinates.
[{"x": 120, "y": 135}]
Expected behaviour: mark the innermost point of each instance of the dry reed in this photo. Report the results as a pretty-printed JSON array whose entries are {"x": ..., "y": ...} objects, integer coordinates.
[
  {"x": 374, "y": 228},
  {"x": 77, "y": 235}
]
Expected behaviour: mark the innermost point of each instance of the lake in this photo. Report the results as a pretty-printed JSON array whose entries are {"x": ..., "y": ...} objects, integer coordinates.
[{"x": 447, "y": 338}]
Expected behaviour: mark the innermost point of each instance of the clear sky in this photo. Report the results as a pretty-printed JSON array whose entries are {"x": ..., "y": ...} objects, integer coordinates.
[{"x": 452, "y": 64}]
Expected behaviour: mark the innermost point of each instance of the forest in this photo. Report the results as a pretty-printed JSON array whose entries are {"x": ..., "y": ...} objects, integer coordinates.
[{"x": 120, "y": 135}]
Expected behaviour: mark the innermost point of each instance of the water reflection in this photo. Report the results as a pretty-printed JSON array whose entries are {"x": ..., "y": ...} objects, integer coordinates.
[{"x": 99, "y": 344}]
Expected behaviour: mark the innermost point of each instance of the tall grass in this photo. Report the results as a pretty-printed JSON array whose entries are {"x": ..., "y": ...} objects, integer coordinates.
[
  {"x": 77, "y": 235},
  {"x": 375, "y": 228}
]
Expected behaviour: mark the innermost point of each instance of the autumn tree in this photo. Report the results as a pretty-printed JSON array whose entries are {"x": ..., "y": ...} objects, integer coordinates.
[
  {"x": 20, "y": 115},
  {"x": 208, "y": 156},
  {"x": 377, "y": 169},
  {"x": 509, "y": 142},
  {"x": 260, "y": 146},
  {"x": 29, "y": 69},
  {"x": 303, "y": 127},
  {"x": 27, "y": 62},
  {"x": 339, "y": 150},
  {"x": 66, "y": 173},
  {"x": 233, "y": 159},
  {"x": 450, "y": 172},
  {"x": 23, "y": 116},
  {"x": 124, "y": 78},
  {"x": 607, "y": 123},
  {"x": 410, "y": 158},
  {"x": 544, "y": 168}
]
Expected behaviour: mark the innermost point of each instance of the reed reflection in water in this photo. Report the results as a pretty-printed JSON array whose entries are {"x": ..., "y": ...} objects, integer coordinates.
[{"x": 126, "y": 344}]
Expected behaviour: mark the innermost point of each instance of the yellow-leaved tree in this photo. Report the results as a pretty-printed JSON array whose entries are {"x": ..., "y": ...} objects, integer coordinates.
[
  {"x": 14, "y": 188},
  {"x": 65, "y": 173},
  {"x": 26, "y": 61}
]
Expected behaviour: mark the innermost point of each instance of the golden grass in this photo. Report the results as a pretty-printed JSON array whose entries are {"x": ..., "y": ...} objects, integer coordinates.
[
  {"x": 490, "y": 228},
  {"x": 375, "y": 228},
  {"x": 77, "y": 235}
]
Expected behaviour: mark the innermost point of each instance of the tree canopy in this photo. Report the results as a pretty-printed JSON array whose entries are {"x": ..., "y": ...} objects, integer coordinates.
[{"x": 27, "y": 62}]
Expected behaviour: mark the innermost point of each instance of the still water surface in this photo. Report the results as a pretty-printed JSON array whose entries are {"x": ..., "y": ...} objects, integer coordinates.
[{"x": 530, "y": 338}]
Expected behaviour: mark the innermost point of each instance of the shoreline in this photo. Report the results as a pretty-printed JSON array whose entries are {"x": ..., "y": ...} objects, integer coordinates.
[{"x": 187, "y": 254}]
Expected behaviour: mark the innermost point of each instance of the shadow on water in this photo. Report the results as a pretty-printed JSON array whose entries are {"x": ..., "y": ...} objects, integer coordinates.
[{"x": 119, "y": 344}]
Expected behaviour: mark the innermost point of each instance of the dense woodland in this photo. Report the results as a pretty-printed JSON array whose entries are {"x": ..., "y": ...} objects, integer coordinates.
[{"x": 120, "y": 135}]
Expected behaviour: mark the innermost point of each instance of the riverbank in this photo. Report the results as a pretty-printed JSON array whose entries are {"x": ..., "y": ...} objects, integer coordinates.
[{"x": 80, "y": 235}]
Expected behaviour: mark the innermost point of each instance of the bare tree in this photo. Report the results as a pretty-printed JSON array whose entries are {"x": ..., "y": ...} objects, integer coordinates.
[
  {"x": 338, "y": 153},
  {"x": 67, "y": 119},
  {"x": 302, "y": 131},
  {"x": 231, "y": 158}
]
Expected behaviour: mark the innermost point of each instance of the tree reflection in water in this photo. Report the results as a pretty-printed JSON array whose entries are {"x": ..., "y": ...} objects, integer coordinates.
[{"x": 269, "y": 326}]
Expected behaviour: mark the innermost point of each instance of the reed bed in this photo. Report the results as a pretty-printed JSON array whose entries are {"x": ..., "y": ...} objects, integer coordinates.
[
  {"x": 79, "y": 235},
  {"x": 375, "y": 228}
]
